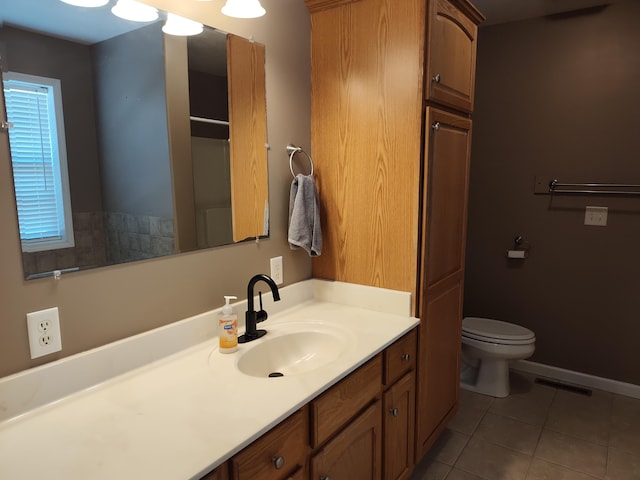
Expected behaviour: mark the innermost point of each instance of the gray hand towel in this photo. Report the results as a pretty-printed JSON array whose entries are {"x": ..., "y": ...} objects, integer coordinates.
[{"x": 304, "y": 216}]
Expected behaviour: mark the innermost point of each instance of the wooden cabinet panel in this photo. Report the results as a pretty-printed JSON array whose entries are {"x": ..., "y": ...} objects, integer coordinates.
[
  {"x": 398, "y": 426},
  {"x": 261, "y": 460},
  {"x": 220, "y": 473},
  {"x": 448, "y": 147},
  {"x": 400, "y": 357},
  {"x": 366, "y": 104},
  {"x": 299, "y": 474},
  {"x": 331, "y": 410},
  {"x": 439, "y": 368},
  {"x": 451, "y": 57},
  {"x": 247, "y": 137},
  {"x": 355, "y": 453}
]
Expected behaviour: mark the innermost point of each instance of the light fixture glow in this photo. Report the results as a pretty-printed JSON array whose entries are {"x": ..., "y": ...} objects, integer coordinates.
[
  {"x": 177, "y": 25},
  {"x": 86, "y": 3},
  {"x": 134, "y": 11},
  {"x": 243, "y": 9}
]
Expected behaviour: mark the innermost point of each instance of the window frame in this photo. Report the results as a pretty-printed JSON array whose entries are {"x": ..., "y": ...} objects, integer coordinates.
[{"x": 59, "y": 163}]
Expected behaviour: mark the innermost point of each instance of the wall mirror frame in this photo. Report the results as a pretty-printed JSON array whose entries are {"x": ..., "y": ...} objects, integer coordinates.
[{"x": 165, "y": 135}]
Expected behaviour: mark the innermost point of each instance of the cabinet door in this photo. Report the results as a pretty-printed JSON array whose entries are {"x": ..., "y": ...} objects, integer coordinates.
[
  {"x": 399, "y": 422},
  {"x": 355, "y": 453},
  {"x": 447, "y": 145},
  {"x": 439, "y": 370},
  {"x": 451, "y": 54}
]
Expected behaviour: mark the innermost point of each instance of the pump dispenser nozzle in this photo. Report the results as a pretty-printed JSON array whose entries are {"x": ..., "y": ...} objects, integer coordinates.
[{"x": 226, "y": 310}]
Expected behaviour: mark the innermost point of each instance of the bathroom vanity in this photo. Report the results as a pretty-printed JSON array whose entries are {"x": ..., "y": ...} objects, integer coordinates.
[
  {"x": 361, "y": 427},
  {"x": 168, "y": 405}
]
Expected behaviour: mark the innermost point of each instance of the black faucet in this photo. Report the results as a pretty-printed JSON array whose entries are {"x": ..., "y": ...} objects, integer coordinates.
[{"x": 252, "y": 318}]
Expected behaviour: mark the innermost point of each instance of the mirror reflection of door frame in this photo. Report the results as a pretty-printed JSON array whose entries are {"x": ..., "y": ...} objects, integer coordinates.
[{"x": 248, "y": 138}]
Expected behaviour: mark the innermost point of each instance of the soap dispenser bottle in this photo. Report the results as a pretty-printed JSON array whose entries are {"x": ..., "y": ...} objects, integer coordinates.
[{"x": 228, "y": 327}]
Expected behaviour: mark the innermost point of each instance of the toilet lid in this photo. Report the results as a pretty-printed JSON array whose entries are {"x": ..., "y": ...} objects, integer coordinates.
[{"x": 486, "y": 327}]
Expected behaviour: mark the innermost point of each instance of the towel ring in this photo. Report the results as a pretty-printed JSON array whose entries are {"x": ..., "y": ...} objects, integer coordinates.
[{"x": 292, "y": 150}]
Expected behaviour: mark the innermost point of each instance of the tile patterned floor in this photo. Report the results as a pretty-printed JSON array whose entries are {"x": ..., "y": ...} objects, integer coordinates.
[{"x": 538, "y": 433}]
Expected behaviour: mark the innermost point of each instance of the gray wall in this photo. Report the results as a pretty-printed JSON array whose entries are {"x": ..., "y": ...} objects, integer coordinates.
[
  {"x": 131, "y": 101},
  {"x": 103, "y": 305},
  {"x": 558, "y": 97}
]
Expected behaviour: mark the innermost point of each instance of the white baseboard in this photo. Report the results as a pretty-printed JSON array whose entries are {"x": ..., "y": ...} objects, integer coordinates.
[{"x": 577, "y": 378}]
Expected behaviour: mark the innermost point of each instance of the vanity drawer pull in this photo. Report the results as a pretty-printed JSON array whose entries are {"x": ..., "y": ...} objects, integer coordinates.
[
  {"x": 325, "y": 477},
  {"x": 278, "y": 462},
  {"x": 405, "y": 357}
]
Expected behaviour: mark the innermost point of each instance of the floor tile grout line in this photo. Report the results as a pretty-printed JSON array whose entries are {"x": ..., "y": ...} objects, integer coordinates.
[
  {"x": 535, "y": 449},
  {"x": 569, "y": 468}
]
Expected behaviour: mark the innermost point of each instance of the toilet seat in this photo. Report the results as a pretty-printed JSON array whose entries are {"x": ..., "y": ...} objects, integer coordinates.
[{"x": 495, "y": 331}]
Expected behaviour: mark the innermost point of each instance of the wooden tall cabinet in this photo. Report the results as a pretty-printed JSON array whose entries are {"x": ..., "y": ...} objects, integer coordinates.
[{"x": 392, "y": 96}]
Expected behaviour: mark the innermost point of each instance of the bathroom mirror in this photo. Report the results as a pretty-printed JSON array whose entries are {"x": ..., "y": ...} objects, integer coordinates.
[{"x": 153, "y": 159}]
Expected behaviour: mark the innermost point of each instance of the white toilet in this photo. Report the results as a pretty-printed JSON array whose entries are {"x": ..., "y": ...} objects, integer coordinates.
[{"x": 487, "y": 347}]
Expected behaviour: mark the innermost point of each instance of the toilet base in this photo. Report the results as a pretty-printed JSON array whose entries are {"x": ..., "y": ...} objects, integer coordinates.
[{"x": 492, "y": 378}]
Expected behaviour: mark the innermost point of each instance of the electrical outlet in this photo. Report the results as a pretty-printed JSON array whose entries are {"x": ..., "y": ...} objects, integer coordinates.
[
  {"x": 276, "y": 270},
  {"x": 44, "y": 332}
]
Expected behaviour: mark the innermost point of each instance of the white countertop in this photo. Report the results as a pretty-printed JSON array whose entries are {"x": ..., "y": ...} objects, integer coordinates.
[{"x": 181, "y": 415}]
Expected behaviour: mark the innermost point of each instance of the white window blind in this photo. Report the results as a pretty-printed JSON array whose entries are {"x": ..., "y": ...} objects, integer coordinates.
[{"x": 38, "y": 155}]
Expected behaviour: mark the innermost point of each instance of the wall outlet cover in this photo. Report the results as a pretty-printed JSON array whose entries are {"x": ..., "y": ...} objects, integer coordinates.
[
  {"x": 43, "y": 327},
  {"x": 596, "y": 216},
  {"x": 276, "y": 270}
]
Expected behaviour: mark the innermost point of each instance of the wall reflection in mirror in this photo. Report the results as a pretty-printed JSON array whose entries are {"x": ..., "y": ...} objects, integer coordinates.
[{"x": 123, "y": 144}]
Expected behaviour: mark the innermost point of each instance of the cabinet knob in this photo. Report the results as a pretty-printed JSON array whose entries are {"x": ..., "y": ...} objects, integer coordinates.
[
  {"x": 394, "y": 411},
  {"x": 436, "y": 126},
  {"x": 325, "y": 477},
  {"x": 405, "y": 357},
  {"x": 436, "y": 78},
  {"x": 278, "y": 462}
]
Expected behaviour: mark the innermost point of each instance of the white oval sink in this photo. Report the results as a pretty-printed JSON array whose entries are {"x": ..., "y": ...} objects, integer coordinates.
[{"x": 293, "y": 353}]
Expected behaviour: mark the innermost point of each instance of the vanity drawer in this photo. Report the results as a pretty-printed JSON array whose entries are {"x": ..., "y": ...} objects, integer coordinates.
[
  {"x": 400, "y": 357},
  {"x": 331, "y": 410},
  {"x": 279, "y": 454}
]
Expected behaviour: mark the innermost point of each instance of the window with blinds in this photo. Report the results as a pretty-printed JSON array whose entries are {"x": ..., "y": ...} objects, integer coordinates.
[{"x": 38, "y": 156}]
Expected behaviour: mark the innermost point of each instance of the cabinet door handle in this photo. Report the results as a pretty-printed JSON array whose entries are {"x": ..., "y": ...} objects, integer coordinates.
[
  {"x": 436, "y": 126},
  {"x": 394, "y": 411},
  {"x": 405, "y": 357},
  {"x": 278, "y": 462},
  {"x": 436, "y": 78}
]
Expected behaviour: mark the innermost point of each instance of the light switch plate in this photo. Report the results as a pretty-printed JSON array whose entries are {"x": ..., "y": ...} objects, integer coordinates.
[
  {"x": 596, "y": 216},
  {"x": 44, "y": 332}
]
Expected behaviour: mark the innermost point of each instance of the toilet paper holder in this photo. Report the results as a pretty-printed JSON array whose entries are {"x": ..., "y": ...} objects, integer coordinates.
[{"x": 520, "y": 248}]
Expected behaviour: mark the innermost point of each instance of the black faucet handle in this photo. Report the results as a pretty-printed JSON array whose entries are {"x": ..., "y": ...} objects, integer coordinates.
[{"x": 261, "y": 316}]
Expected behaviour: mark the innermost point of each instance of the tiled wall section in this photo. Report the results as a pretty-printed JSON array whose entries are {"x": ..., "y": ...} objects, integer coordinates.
[
  {"x": 89, "y": 250},
  {"x": 132, "y": 237}
]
